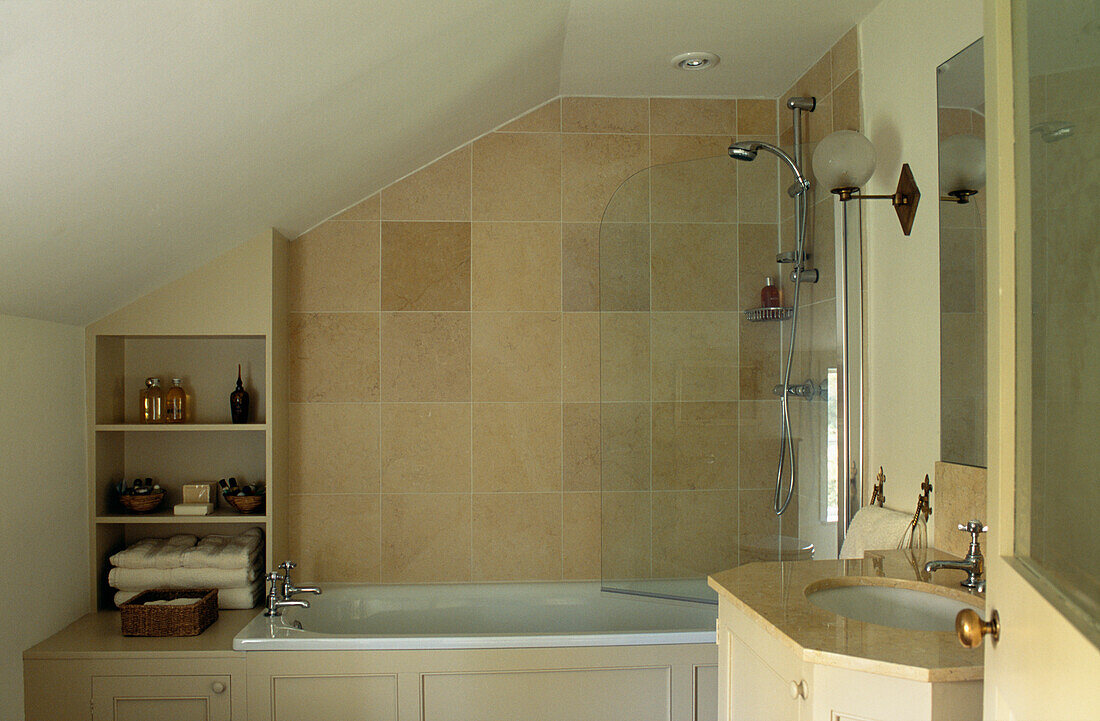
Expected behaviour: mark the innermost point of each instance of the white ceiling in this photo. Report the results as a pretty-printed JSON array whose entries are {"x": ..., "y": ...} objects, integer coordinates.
[{"x": 140, "y": 140}]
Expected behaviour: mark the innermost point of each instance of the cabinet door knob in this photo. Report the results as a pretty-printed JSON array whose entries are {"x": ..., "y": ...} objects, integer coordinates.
[
  {"x": 970, "y": 628},
  {"x": 217, "y": 687},
  {"x": 798, "y": 689}
]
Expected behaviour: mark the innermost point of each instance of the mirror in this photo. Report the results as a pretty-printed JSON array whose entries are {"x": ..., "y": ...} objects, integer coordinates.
[{"x": 961, "y": 117}]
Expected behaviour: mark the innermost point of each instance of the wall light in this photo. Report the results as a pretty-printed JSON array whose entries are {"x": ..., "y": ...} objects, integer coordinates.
[
  {"x": 962, "y": 167},
  {"x": 845, "y": 160}
]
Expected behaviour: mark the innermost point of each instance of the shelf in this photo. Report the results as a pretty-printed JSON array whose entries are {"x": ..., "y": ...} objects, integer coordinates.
[
  {"x": 180, "y": 427},
  {"x": 756, "y": 315},
  {"x": 221, "y": 515}
]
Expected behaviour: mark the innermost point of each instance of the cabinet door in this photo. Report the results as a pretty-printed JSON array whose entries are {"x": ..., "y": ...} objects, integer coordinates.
[
  {"x": 756, "y": 690},
  {"x": 161, "y": 698}
]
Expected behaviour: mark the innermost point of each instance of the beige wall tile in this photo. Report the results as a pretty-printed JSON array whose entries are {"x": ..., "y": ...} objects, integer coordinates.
[
  {"x": 543, "y": 119},
  {"x": 623, "y": 266},
  {"x": 693, "y": 265},
  {"x": 819, "y": 123},
  {"x": 604, "y": 115},
  {"x": 624, "y": 446},
  {"x": 425, "y": 357},
  {"x": 593, "y": 167},
  {"x": 695, "y": 446},
  {"x": 580, "y": 271},
  {"x": 517, "y": 447},
  {"x": 694, "y": 356},
  {"x": 694, "y": 532},
  {"x": 517, "y": 176},
  {"x": 580, "y": 362},
  {"x": 440, "y": 191},
  {"x": 367, "y": 209},
  {"x": 758, "y": 444},
  {"x": 700, "y": 191},
  {"x": 845, "y": 57},
  {"x": 757, "y": 246},
  {"x": 757, "y": 117},
  {"x": 692, "y": 116},
  {"x": 756, "y": 514},
  {"x": 581, "y": 536},
  {"x": 335, "y": 267},
  {"x": 624, "y": 357},
  {"x": 333, "y": 357},
  {"x": 681, "y": 148},
  {"x": 818, "y": 80},
  {"x": 759, "y": 187},
  {"x": 425, "y": 266},
  {"x": 333, "y": 448},
  {"x": 425, "y": 537},
  {"x": 516, "y": 356},
  {"x": 846, "y": 105},
  {"x": 626, "y": 531},
  {"x": 581, "y": 446},
  {"x": 959, "y": 495},
  {"x": 517, "y": 266},
  {"x": 334, "y": 537},
  {"x": 425, "y": 447},
  {"x": 517, "y": 536},
  {"x": 758, "y": 345}
]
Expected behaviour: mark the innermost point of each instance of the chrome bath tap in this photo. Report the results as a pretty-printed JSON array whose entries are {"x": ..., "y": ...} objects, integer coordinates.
[
  {"x": 282, "y": 588},
  {"x": 973, "y": 563}
]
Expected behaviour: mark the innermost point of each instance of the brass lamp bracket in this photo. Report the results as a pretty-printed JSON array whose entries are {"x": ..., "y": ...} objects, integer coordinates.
[{"x": 905, "y": 198}]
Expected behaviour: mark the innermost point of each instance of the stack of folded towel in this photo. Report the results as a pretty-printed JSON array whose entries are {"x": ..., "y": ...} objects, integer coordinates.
[{"x": 231, "y": 564}]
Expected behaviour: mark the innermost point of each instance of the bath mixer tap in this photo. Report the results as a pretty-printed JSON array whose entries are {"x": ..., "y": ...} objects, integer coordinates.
[
  {"x": 973, "y": 563},
  {"x": 274, "y": 602},
  {"x": 289, "y": 589}
]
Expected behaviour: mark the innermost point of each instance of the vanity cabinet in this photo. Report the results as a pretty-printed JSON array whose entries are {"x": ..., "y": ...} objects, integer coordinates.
[{"x": 766, "y": 675}]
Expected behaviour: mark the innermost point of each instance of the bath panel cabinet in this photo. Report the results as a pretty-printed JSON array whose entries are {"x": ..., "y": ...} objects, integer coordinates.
[{"x": 161, "y": 698}]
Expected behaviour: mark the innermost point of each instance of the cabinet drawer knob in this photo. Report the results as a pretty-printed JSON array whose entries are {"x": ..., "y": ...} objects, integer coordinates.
[
  {"x": 217, "y": 687},
  {"x": 798, "y": 689}
]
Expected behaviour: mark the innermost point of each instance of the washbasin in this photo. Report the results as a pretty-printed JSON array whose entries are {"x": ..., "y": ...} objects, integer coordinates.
[{"x": 918, "y": 607}]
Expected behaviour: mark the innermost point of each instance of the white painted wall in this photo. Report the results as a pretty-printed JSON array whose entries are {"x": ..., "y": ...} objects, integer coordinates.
[
  {"x": 43, "y": 511},
  {"x": 902, "y": 42}
]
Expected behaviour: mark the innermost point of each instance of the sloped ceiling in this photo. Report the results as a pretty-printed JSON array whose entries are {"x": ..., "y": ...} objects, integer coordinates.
[{"x": 140, "y": 140}]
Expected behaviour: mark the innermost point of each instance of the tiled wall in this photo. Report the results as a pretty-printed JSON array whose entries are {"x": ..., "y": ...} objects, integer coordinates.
[
  {"x": 445, "y": 374},
  {"x": 962, "y": 313}
]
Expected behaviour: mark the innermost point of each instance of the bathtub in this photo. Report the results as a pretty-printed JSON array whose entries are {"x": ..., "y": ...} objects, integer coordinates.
[
  {"x": 483, "y": 652},
  {"x": 478, "y": 615}
]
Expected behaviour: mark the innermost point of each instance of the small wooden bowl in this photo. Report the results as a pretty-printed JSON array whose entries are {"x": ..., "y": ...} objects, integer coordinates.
[
  {"x": 145, "y": 503},
  {"x": 245, "y": 504}
]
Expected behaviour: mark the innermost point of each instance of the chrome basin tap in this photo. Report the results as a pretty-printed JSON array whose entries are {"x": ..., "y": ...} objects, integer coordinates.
[
  {"x": 973, "y": 563},
  {"x": 275, "y": 603}
]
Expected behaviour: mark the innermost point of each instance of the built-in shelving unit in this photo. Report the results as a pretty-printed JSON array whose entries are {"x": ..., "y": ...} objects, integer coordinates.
[{"x": 198, "y": 329}]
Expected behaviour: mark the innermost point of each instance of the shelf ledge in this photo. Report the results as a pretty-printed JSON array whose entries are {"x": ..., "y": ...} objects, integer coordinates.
[{"x": 180, "y": 427}]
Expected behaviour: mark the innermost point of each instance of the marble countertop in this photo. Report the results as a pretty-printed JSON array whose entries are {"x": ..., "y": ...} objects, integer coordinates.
[
  {"x": 773, "y": 595},
  {"x": 99, "y": 635}
]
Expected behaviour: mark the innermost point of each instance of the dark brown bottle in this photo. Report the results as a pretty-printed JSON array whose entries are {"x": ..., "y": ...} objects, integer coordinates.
[
  {"x": 769, "y": 295},
  {"x": 238, "y": 401}
]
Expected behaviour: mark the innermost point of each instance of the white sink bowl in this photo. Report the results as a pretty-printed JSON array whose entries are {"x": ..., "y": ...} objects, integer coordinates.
[{"x": 920, "y": 607}]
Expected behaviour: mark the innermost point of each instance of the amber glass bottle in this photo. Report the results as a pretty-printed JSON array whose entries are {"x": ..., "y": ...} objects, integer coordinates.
[
  {"x": 175, "y": 402},
  {"x": 152, "y": 402}
]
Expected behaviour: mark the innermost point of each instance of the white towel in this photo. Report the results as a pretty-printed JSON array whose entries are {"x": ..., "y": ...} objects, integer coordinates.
[
  {"x": 874, "y": 529},
  {"x": 134, "y": 579},
  {"x": 154, "y": 553},
  {"x": 228, "y": 598},
  {"x": 226, "y": 552}
]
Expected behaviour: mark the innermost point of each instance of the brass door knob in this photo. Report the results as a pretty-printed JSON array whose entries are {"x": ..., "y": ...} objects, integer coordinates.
[{"x": 970, "y": 627}]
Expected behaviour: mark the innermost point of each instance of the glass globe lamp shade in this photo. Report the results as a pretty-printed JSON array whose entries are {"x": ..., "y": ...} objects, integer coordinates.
[
  {"x": 844, "y": 159},
  {"x": 962, "y": 163}
]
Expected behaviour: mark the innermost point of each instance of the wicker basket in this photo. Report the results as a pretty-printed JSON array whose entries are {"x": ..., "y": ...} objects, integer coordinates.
[
  {"x": 245, "y": 504},
  {"x": 144, "y": 503},
  {"x": 141, "y": 620}
]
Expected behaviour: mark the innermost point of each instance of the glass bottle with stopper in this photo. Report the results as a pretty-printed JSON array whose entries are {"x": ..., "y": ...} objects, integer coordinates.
[{"x": 238, "y": 401}]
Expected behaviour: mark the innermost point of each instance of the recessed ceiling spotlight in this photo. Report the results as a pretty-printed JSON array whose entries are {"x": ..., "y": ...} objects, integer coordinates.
[{"x": 695, "y": 61}]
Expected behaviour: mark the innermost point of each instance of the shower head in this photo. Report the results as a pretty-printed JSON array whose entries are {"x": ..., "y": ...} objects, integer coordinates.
[{"x": 747, "y": 149}]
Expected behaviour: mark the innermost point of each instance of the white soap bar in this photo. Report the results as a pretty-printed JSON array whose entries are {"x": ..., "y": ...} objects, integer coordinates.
[{"x": 194, "y": 509}]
